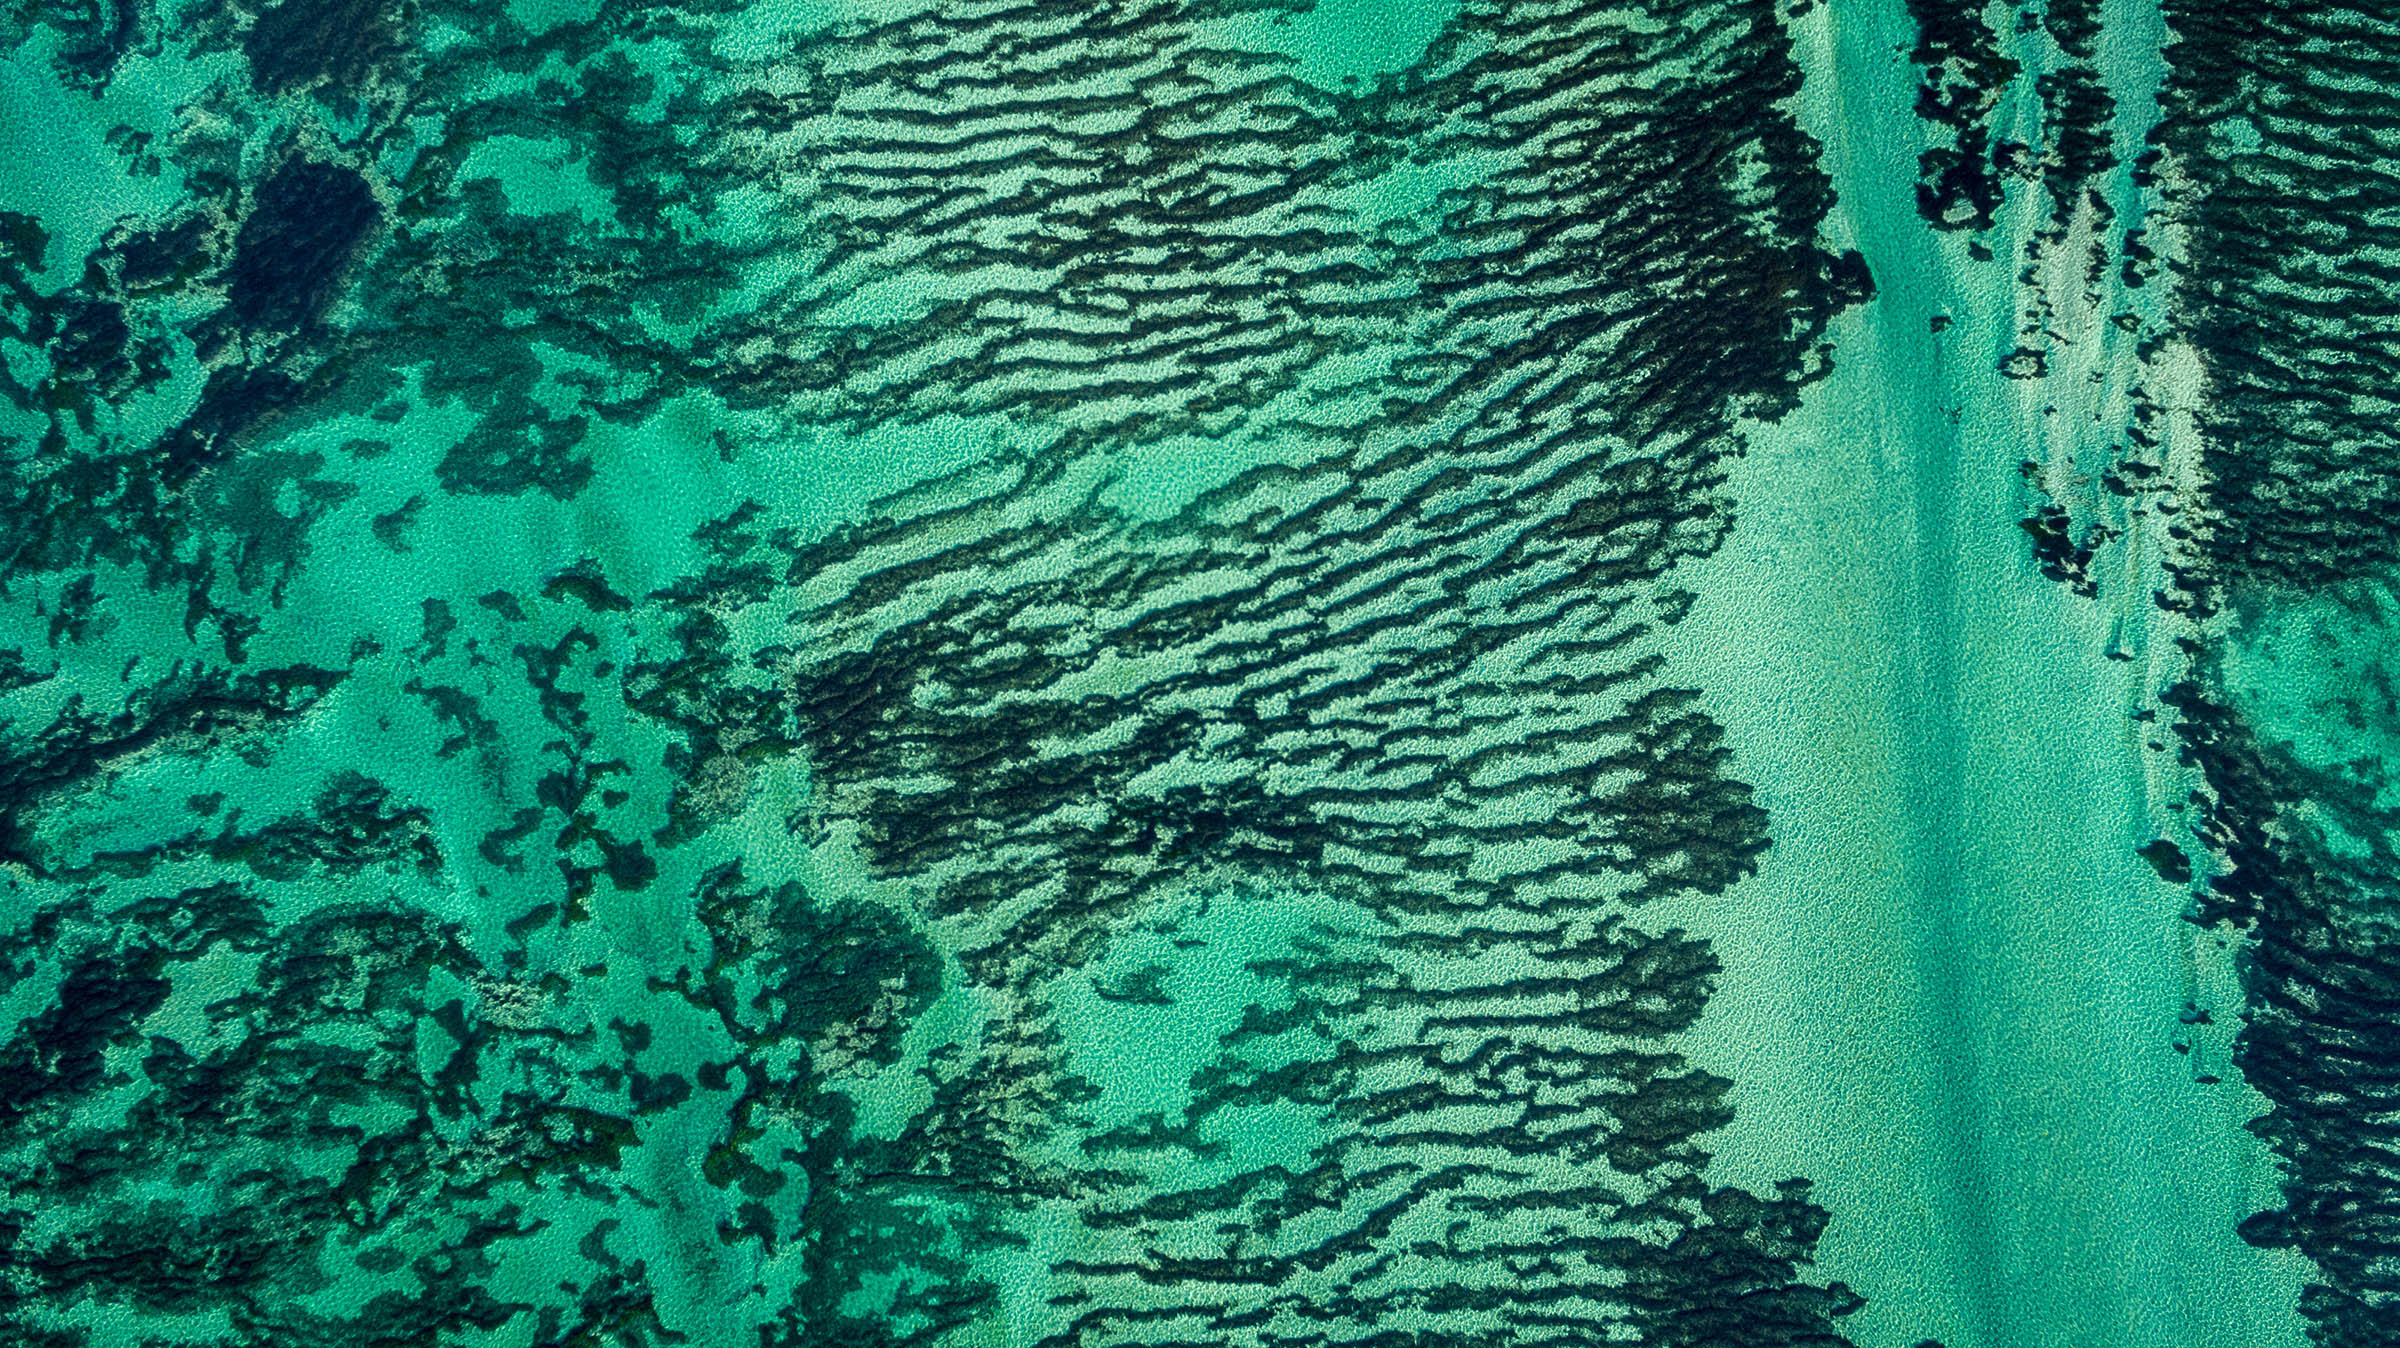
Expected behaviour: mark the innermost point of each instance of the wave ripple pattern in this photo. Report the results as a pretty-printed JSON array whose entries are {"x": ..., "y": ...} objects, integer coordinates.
[{"x": 991, "y": 673}]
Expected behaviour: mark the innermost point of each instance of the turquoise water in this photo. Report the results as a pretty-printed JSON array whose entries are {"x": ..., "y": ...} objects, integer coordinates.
[
  {"x": 1957, "y": 990},
  {"x": 1237, "y": 673}
]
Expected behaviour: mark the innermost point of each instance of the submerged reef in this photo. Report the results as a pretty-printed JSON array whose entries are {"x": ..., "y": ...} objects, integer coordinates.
[
  {"x": 617, "y": 733},
  {"x": 1121, "y": 674},
  {"x": 2286, "y": 169}
]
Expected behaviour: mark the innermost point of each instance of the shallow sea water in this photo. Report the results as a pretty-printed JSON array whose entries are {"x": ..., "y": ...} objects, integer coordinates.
[{"x": 1216, "y": 672}]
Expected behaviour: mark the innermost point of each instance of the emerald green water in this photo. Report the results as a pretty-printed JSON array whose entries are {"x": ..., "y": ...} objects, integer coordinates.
[
  {"x": 1350, "y": 674},
  {"x": 1955, "y": 988}
]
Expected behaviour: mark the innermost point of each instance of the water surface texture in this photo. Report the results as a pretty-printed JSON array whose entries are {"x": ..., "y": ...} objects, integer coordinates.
[{"x": 1199, "y": 672}]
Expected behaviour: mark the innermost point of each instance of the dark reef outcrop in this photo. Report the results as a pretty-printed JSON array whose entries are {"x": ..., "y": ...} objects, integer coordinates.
[
  {"x": 413, "y": 891},
  {"x": 306, "y": 222},
  {"x": 2285, "y": 178}
]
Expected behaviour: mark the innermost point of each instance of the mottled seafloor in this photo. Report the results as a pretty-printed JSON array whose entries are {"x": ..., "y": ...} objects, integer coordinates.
[{"x": 1199, "y": 672}]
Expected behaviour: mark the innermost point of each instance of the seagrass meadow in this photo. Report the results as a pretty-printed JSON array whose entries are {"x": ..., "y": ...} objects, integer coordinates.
[{"x": 1175, "y": 673}]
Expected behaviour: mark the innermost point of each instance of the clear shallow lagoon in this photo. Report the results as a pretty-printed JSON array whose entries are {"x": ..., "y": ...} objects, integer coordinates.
[{"x": 1196, "y": 673}]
